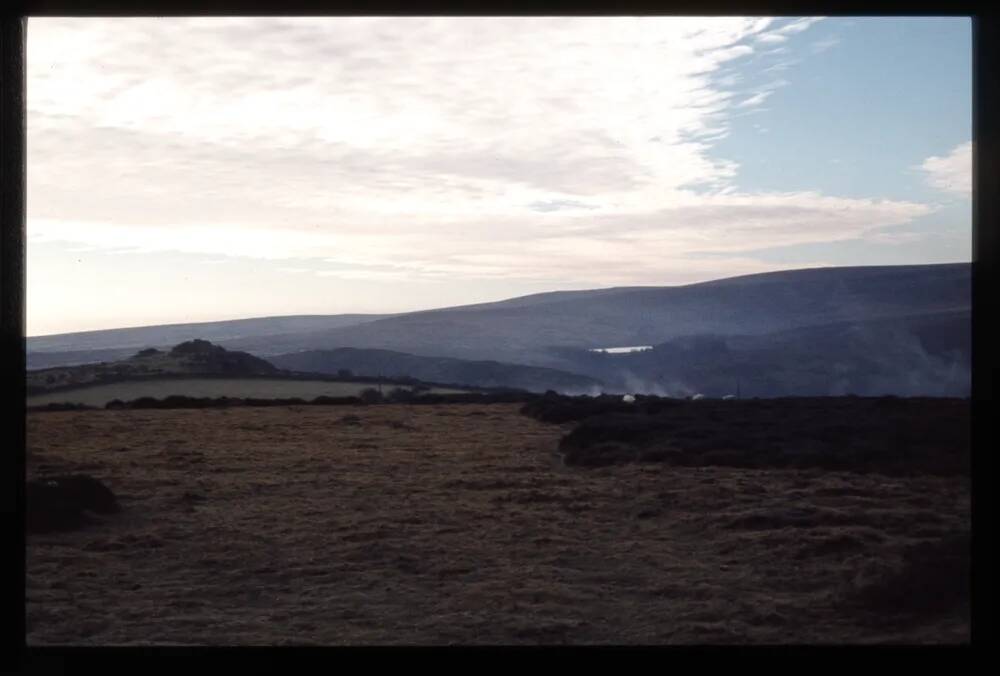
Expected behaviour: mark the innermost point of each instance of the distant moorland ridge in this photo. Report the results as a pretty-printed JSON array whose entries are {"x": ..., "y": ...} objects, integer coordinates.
[{"x": 864, "y": 330}]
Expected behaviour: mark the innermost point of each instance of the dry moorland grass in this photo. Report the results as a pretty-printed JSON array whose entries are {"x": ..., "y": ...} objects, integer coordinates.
[{"x": 458, "y": 524}]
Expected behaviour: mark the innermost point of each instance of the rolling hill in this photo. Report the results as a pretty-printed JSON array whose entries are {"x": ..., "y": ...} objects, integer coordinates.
[
  {"x": 436, "y": 369},
  {"x": 195, "y": 357},
  {"x": 927, "y": 355},
  {"x": 83, "y": 347},
  {"x": 525, "y": 330},
  {"x": 842, "y": 328}
]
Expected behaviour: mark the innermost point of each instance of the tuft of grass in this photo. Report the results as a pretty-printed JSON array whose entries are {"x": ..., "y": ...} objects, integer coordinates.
[{"x": 349, "y": 421}]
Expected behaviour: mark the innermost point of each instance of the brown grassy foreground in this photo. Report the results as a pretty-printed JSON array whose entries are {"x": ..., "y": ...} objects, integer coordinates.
[{"x": 458, "y": 524}]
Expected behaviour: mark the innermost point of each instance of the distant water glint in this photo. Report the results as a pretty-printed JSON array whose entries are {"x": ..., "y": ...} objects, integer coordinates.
[{"x": 620, "y": 350}]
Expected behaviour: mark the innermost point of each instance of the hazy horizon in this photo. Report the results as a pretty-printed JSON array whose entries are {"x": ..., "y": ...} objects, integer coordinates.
[
  {"x": 210, "y": 169},
  {"x": 425, "y": 309}
]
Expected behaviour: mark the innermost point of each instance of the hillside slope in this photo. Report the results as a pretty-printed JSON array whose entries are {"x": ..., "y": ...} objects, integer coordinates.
[
  {"x": 928, "y": 354},
  {"x": 524, "y": 330},
  {"x": 751, "y": 304},
  {"x": 872, "y": 330},
  {"x": 436, "y": 369},
  {"x": 171, "y": 334}
]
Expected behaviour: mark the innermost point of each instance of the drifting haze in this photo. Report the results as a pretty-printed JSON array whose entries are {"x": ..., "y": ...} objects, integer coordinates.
[{"x": 197, "y": 169}]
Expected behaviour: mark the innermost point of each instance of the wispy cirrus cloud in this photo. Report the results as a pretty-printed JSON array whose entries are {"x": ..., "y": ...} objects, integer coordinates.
[
  {"x": 781, "y": 32},
  {"x": 799, "y": 25},
  {"x": 571, "y": 148},
  {"x": 821, "y": 46},
  {"x": 754, "y": 100},
  {"x": 772, "y": 38}
]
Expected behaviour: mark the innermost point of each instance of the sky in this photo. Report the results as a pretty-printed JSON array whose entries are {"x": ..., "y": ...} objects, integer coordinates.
[{"x": 201, "y": 169}]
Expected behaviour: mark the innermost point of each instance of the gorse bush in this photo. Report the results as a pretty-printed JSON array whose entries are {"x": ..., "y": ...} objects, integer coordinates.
[
  {"x": 475, "y": 398},
  {"x": 324, "y": 400},
  {"x": 62, "y": 406},
  {"x": 175, "y": 401},
  {"x": 370, "y": 396},
  {"x": 556, "y": 408},
  {"x": 60, "y": 503},
  {"x": 366, "y": 397},
  {"x": 400, "y": 395},
  {"x": 919, "y": 436}
]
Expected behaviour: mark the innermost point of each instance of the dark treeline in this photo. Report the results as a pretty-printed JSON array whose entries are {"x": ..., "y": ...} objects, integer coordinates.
[
  {"x": 367, "y": 397},
  {"x": 278, "y": 375},
  {"x": 557, "y": 408}
]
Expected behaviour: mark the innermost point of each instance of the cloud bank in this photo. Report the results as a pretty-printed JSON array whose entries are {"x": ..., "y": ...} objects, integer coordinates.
[{"x": 402, "y": 148}]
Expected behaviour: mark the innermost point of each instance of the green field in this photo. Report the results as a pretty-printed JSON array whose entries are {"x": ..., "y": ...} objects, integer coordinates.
[{"x": 262, "y": 388}]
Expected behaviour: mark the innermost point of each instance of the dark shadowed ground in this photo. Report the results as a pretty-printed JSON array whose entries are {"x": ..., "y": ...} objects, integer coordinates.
[{"x": 443, "y": 524}]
